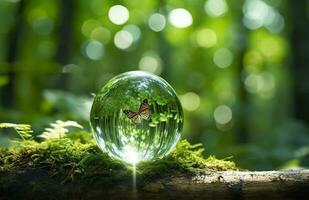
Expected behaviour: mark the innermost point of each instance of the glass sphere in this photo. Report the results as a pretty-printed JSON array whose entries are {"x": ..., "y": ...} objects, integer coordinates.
[{"x": 136, "y": 116}]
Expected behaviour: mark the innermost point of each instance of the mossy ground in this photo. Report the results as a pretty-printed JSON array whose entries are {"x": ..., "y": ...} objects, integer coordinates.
[{"x": 78, "y": 159}]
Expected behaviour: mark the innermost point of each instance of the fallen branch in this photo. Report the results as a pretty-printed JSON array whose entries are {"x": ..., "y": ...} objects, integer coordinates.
[
  {"x": 235, "y": 185},
  {"x": 37, "y": 184}
]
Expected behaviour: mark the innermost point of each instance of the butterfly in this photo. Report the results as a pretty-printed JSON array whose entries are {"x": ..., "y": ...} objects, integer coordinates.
[{"x": 143, "y": 113}]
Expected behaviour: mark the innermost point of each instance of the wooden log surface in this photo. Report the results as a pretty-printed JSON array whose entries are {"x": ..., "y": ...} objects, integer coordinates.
[{"x": 292, "y": 184}]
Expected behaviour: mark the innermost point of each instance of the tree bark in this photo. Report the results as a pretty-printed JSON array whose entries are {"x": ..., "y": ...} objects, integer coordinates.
[
  {"x": 235, "y": 185},
  {"x": 213, "y": 185}
]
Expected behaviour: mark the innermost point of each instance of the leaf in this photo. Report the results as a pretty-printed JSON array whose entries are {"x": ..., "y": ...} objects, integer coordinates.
[
  {"x": 58, "y": 129},
  {"x": 23, "y": 130}
]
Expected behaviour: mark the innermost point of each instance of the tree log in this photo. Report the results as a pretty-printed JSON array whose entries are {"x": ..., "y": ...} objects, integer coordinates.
[
  {"x": 235, "y": 185},
  {"x": 292, "y": 184}
]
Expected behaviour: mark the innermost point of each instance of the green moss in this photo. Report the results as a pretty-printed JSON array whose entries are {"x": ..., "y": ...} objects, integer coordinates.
[
  {"x": 186, "y": 158},
  {"x": 78, "y": 158}
]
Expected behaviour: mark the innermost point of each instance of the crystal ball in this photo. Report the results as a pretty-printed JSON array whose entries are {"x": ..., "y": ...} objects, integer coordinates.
[{"x": 136, "y": 116}]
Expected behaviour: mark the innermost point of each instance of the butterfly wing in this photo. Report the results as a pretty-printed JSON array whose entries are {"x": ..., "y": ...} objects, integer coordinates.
[
  {"x": 144, "y": 110},
  {"x": 134, "y": 116}
]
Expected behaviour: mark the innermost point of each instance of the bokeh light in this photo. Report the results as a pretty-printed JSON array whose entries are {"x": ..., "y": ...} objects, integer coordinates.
[
  {"x": 260, "y": 83},
  {"x": 94, "y": 50},
  {"x": 157, "y": 22},
  {"x": 223, "y": 57},
  {"x": 190, "y": 101},
  {"x": 223, "y": 114},
  {"x": 206, "y": 38},
  {"x": 118, "y": 14},
  {"x": 101, "y": 34},
  {"x": 258, "y": 13},
  {"x": 151, "y": 62},
  {"x": 216, "y": 8},
  {"x": 123, "y": 39},
  {"x": 69, "y": 68},
  {"x": 180, "y": 18},
  {"x": 88, "y": 26},
  {"x": 133, "y": 30}
]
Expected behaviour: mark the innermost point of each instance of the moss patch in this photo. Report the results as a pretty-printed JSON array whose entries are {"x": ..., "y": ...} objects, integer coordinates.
[{"x": 77, "y": 159}]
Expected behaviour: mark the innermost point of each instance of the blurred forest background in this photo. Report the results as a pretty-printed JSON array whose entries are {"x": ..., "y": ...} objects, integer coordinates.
[{"x": 240, "y": 68}]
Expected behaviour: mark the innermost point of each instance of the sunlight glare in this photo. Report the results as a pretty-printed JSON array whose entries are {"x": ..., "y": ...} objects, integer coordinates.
[{"x": 130, "y": 155}]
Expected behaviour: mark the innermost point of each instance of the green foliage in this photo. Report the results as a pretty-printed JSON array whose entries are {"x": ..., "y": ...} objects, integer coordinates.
[
  {"x": 59, "y": 129},
  {"x": 23, "y": 130}
]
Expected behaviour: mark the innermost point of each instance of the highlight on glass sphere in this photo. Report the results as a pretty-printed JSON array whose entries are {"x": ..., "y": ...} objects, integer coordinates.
[{"x": 136, "y": 116}]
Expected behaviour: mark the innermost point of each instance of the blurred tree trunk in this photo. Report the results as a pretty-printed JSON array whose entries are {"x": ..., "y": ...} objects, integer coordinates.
[
  {"x": 300, "y": 58},
  {"x": 242, "y": 134},
  {"x": 65, "y": 36},
  {"x": 8, "y": 94},
  {"x": 241, "y": 125},
  {"x": 164, "y": 49}
]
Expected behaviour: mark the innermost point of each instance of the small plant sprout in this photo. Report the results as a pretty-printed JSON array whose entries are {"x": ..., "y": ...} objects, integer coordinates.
[
  {"x": 58, "y": 129},
  {"x": 23, "y": 130}
]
